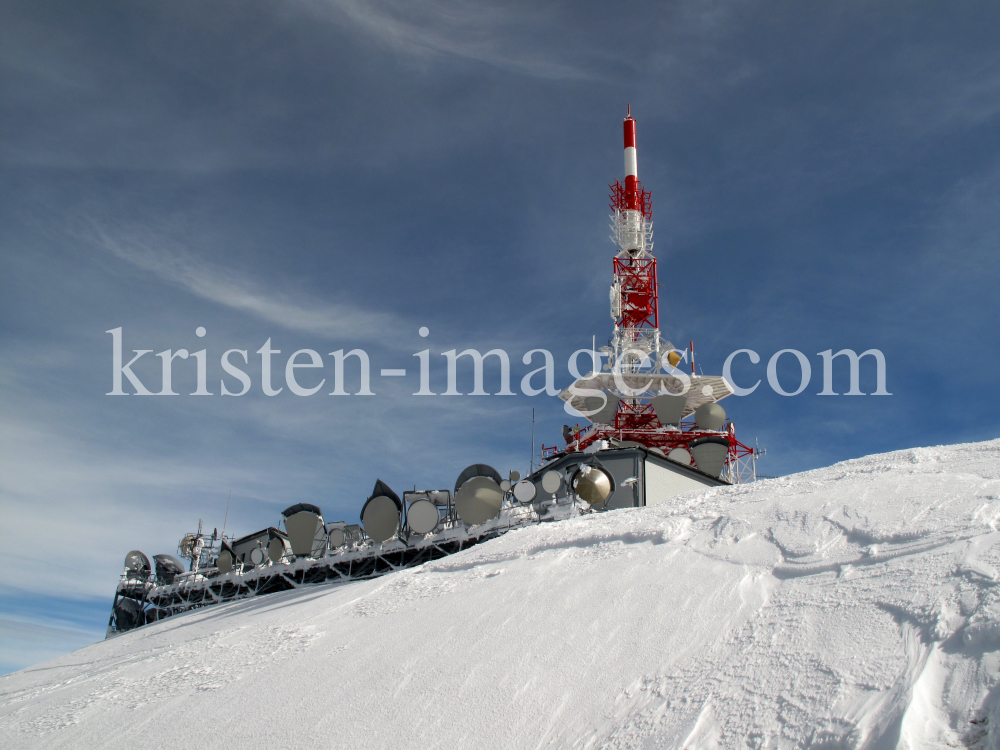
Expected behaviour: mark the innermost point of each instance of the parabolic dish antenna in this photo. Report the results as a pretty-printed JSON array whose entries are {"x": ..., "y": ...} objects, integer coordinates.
[
  {"x": 524, "y": 492},
  {"x": 225, "y": 562},
  {"x": 338, "y": 538},
  {"x": 681, "y": 456},
  {"x": 593, "y": 485},
  {"x": 478, "y": 500},
  {"x": 257, "y": 555},
  {"x": 275, "y": 550},
  {"x": 551, "y": 481},
  {"x": 710, "y": 416},
  {"x": 186, "y": 545},
  {"x": 710, "y": 454},
  {"x": 505, "y": 485},
  {"x": 514, "y": 475},
  {"x": 136, "y": 564},
  {"x": 380, "y": 517},
  {"x": 422, "y": 516}
]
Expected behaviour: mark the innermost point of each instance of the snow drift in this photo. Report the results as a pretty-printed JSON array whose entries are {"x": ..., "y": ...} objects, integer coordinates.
[{"x": 850, "y": 607}]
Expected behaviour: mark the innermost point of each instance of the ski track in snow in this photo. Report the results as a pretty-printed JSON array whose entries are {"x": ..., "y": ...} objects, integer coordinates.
[{"x": 855, "y": 606}]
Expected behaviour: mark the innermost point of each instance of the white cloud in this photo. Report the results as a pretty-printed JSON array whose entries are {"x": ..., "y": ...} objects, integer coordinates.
[
  {"x": 476, "y": 31},
  {"x": 225, "y": 287}
]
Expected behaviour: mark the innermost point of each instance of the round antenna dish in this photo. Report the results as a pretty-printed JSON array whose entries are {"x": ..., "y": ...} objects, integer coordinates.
[
  {"x": 479, "y": 500},
  {"x": 337, "y": 538},
  {"x": 225, "y": 562},
  {"x": 514, "y": 475},
  {"x": 524, "y": 492},
  {"x": 257, "y": 556},
  {"x": 592, "y": 485},
  {"x": 681, "y": 456},
  {"x": 380, "y": 517},
  {"x": 551, "y": 481},
  {"x": 137, "y": 564},
  {"x": 186, "y": 545},
  {"x": 710, "y": 416},
  {"x": 275, "y": 550},
  {"x": 422, "y": 516},
  {"x": 505, "y": 485}
]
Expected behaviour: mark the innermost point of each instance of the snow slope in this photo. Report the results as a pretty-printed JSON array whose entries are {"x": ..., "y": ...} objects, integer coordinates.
[{"x": 853, "y": 606}]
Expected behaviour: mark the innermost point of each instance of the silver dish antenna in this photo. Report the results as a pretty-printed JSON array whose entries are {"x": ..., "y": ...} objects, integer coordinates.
[
  {"x": 306, "y": 530},
  {"x": 524, "y": 492},
  {"x": 505, "y": 485},
  {"x": 258, "y": 555},
  {"x": 592, "y": 483},
  {"x": 137, "y": 565},
  {"x": 423, "y": 516},
  {"x": 382, "y": 513},
  {"x": 338, "y": 538},
  {"x": 186, "y": 545},
  {"x": 514, "y": 475}
]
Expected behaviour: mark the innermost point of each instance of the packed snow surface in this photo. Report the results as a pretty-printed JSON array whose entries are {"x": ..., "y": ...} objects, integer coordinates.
[{"x": 850, "y": 607}]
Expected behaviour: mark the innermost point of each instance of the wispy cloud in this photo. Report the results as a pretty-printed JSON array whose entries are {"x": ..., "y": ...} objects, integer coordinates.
[
  {"x": 472, "y": 30},
  {"x": 158, "y": 256}
]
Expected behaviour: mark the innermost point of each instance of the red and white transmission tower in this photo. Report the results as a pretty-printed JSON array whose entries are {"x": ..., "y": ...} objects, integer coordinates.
[{"x": 639, "y": 395}]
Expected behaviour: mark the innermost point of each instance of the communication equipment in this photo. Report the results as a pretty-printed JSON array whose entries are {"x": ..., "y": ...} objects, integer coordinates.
[
  {"x": 710, "y": 454},
  {"x": 275, "y": 550},
  {"x": 477, "y": 470},
  {"x": 669, "y": 408},
  {"x": 186, "y": 545},
  {"x": 337, "y": 537},
  {"x": 605, "y": 414},
  {"x": 167, "y": 567},
  {"x": 710, "y": 416},
  {"x": 505, "y": 485},
  {"x": 551, "y": 481},
  {"x": 524, "y": 492},
  {"x": 354, "y": 532},
  {"x": 224, "y": 563},
  {"x": 422, "y": 516},
  {"x": 514, "y": 475},
  {"x": 304, "y": 524},
  {"x": 681, "y": 456},
  {"x": 128, "y": 613},
  {"x": 382, "y": 513},
  {"x": 593, "y": 484},
  {"x": 137, "y": 565},
  {"x": 257, "y": 556},
  {"x": 479, "y": 500}
]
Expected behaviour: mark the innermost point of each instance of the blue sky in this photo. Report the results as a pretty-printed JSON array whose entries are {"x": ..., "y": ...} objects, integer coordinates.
[{"x": 331, "y": 175}]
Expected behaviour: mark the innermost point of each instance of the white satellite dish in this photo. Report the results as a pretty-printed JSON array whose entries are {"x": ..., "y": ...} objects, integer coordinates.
[
  {"x": 224, "y": 563},
  {"x": 505, "y": 485},
  {"x": 380, "y": 517},
  {"x": 422, "y": 516},
  {"x": 681, "y": 456},
  {"x": 551, "y": 481},
  {"x": 478, "y": 500},
  {"x": 275, "y": 550},
  {"x": 338, "y": 538},
  {"x": 524, "y": 492},
  {"x": 257, "y": 555}
]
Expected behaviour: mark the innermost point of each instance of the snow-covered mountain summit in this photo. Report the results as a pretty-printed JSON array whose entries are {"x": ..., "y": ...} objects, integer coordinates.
[{"x": 852, "y": 606}]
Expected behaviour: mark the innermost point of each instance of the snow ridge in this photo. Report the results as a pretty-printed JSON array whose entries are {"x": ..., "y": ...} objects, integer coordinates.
[{"x": 855, "y": 606}]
